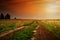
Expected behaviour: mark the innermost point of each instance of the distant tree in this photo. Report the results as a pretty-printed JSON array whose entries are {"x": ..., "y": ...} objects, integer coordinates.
[
  {"x": 2, "y": 16},
  {"x": 15, "y": 18},
  {"x": 7, "y": 16}
]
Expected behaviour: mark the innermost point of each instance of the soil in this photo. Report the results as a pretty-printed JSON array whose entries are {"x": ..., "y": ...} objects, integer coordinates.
[{"x": 43, "y": 34}]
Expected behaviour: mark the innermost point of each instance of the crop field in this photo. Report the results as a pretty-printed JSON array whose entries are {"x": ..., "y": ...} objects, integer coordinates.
[
  {"x": 53, "y": 26},
  {"x": 29, "y": 29},
  {"x": 6, "y": 25}
]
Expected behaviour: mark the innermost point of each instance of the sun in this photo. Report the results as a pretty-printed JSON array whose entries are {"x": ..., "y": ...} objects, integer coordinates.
[{"x": 51, "y": 8}]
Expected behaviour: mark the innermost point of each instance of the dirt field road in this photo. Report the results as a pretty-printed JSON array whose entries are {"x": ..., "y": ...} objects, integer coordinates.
[{"x": 43, "y": 34}]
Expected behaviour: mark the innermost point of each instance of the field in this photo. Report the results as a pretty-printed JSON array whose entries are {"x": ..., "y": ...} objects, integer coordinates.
[
  {"x": 30, "y": 29},
  {"x": 53, "y": 26},
  {"x": 6, "y": 25}
]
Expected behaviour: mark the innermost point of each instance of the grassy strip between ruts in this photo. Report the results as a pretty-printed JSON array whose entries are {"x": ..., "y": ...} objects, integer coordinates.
[{"x": 25, "y": 34}]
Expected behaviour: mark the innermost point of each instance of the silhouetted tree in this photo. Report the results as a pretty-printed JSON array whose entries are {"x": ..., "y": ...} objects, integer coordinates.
[
  {"x": 15, "y": 18},
  {"x": 7, "y": 16},
  {"x": 2, "y": 16}
]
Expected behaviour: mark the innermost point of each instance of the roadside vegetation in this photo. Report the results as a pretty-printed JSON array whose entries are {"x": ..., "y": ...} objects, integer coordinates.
[
  {"x": 53, "y": 27},
  {"x": 25, "y": 34}
]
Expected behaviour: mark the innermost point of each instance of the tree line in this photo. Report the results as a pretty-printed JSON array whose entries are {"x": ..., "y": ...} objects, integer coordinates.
[{"x": 7, "y": 16}]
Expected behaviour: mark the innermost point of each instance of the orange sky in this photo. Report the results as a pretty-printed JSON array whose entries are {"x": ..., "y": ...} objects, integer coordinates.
[{"x": 33, "y": 9}]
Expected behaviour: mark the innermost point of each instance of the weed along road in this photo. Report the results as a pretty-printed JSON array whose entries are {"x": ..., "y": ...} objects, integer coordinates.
[
  {"x": 43, "y": 34},
  {"x": 8, "y": 35}
]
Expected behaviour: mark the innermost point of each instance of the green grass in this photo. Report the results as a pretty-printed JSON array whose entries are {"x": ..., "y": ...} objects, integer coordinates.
[
  {"x": 6, "y": 27},
  {"x": 25, "y": 24},
  {"x": 25, "y": 34},
  {"x": 53, "y": 28}
]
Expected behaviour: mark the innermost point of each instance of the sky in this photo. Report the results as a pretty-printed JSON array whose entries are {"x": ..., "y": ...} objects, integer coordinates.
[{"x": 31, "y": 9}]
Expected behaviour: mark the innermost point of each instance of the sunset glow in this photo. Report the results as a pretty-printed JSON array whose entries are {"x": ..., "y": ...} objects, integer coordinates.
[{"x": 32, "y": 9}]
